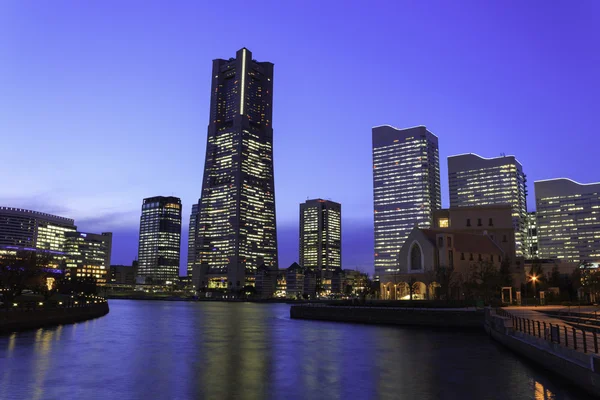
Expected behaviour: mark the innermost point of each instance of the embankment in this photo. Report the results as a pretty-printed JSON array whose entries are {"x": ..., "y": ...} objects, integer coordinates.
[
  {"x": 19, "y": 320},
  {"x": 438, "y": 318},
  {"x": 582, "y": 369}
]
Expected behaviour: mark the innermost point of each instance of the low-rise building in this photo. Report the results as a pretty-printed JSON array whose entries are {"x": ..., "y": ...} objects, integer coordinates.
[{"x": 430, "y": 256}]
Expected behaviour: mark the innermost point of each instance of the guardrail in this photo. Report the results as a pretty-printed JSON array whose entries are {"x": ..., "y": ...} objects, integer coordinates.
[{"x": 567, "y": 336}]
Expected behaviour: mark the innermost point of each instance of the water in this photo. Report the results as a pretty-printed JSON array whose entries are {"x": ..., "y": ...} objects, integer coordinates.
[{"x": 177, "y": 350}]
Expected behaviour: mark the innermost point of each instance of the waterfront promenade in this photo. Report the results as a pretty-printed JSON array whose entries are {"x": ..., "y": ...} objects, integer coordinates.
[{"x": 35, "y": 315}]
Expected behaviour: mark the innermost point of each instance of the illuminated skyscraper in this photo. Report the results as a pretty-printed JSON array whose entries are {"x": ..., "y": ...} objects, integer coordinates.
[
  {"x": 321, "y": 234},
  {"x": 478, "y": 181},
  {"x": 191, "y": 256},
  {"x": 88, "y": 255},
  {"x": 531, "y": 239},
  {"x": 406, "y": 188},
  {"x": 568, "y": 220},
  {"x": 236, "y": 230},
  {"x": 160, "y": 239}
]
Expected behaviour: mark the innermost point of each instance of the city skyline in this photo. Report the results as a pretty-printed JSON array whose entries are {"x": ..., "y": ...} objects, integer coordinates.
[{"x": 456, "y": 102}]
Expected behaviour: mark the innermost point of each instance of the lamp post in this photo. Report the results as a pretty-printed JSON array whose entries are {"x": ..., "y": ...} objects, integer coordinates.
[{"x": 534, "y": 280}]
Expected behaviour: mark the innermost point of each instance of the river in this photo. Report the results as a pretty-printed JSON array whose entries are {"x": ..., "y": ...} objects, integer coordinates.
[{"x": 211, "y": 350}]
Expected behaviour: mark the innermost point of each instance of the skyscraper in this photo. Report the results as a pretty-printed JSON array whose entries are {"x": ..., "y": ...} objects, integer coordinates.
[
  {"x": 568, "y": 220},
  {"x": 160, "y": 239},
  {"x": 191, "y": 256},
  {"x": 478, "y": 181},
  {"x": 88, "y": 255},
  {"x": 236, "y": 230},
  {"x": 321, "y": 235},
  {"x": 406, "y": 188},
  {"x": 531, "y": 239}
]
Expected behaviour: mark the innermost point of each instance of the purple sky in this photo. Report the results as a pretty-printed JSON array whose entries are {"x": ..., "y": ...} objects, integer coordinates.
[{"x": 103, "y": 103}]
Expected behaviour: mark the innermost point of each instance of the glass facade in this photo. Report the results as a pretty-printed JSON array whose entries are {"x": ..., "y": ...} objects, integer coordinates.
[
  {"x": 88, "y": 255},
  {"x": 531, "y": 239},
  {"x": 160, "y": 239},
  {"x": 32, "y": 230},
  {"x": 192, "y": 239},
  {"x": 568, "y": 220},
  {"x": 235, "y": 223},
  {"x": 478, "y": 181},
  {"x": 321, "y": 234},
  {"x": 406, "y": 188}
]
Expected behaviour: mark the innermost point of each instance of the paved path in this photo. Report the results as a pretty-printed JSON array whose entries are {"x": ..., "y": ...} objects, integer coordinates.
[{"x": 536, "y": 314}]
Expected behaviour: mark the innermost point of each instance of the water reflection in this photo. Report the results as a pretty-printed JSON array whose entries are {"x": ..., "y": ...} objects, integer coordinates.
[{"x": 170, "y": 350}]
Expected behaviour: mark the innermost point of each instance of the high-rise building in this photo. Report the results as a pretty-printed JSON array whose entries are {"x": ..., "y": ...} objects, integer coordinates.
[
  {"x": 88, "y": 255},
  {"x": 236, "y": 230},
  {"x": 191, "y": 256},
  {"x": 531, "y": 238},
  {"x": 32, "y": 230},
  {"x": 406, "y": 188},
  {"x": 321, "y": 235},
  {"x": 568, "y": 220},
  {"x": 478, "y": 181},
  {"x": 160, "y": 239}
]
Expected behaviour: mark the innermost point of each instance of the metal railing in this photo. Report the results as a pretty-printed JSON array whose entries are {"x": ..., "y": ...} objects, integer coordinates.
[{"x": 567, "y": 336}]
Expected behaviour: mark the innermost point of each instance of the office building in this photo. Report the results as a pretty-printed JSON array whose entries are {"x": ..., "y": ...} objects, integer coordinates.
[
  {"x": 88, "y": 255},
  {"x": 191, "y": 256},
  {"x": 406, "y": 188},
  {"x": 321, "y": 235},
  {"x": 531, "y": 238},
  {"x": 568, "y": 220},
  {"x": 478, "y": 181},
  {"x": 123, "y": 274},
  {"x": 236, "y": 229},
  {"x": 34, "y": 231},
  {"x": 160, "y": 240}
]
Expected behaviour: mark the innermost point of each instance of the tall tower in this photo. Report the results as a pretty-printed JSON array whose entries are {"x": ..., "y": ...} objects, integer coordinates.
[
  {"x": 406, "y": 188},
  {"x": 160, "y": 239},
  {"x": 191, "y": 256},
  {"x": 568, "y": 225},
  {"x": 478, "y": 181},
  {"x": 236, "y": 231},
  {"x": 321, "y": 235}
]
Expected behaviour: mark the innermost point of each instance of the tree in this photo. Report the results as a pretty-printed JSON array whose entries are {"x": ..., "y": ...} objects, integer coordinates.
[
  {"x": 23, "y": 270},
  {"x": 555, "y": 278}
]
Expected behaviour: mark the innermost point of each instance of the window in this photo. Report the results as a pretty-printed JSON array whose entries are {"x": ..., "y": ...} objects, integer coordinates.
[
  {"x": 468, "y": 221},
  {"x": 490, "y": 222},
  {"x": 415, "y": 257},
  {"x": 449, "y": 241},
  {"x": 492, "y": 258},
  {"x": 462, "y": 256},
  {"x": 471, "y": 257},
  {"x": 480, "y": 259},
  {"x": 441, "y": 241},
  {"x": 478, "y": 221},
  {"x": 443, "y": 223},
  {"x": 504, "y": 238}
]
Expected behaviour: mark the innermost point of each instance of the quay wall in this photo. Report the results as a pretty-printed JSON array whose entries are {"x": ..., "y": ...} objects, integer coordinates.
[
  {"x": 439, "y": 318},
  {"x": 11, "y": 321},
  {"x": 583, "y": 370}
]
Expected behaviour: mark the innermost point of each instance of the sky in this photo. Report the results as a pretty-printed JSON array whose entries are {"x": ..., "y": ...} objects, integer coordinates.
[{"x": 106, "y": 102}]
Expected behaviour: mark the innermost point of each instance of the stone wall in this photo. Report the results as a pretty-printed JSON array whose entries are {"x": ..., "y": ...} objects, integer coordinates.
[{"x": 11, "y": 321}]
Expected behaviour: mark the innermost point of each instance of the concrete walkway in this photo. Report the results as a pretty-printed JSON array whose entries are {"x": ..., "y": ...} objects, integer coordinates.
[{"x": 577, "y": 343}]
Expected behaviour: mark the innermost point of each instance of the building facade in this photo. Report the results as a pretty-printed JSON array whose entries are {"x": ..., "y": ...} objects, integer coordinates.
[
  {"x": 494, "y": 221},
  {"x": 34, "y": 231},
  {"x": 568, "y": 220},
  {"x": 88, "y": 255},
  {"x": 531, "y": 238},
  {"x": 191, "y": 256},
  {"x": 321, "y": 235},
  {"x": 478, "y": 181},
  {"x": 160, "y": 240},
  {"x": 236, "y": 229},
  {"x": 406, "y": 188}
]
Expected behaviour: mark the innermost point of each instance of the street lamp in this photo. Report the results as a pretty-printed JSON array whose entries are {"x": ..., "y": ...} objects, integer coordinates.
[{"x": 534, "y": 279}]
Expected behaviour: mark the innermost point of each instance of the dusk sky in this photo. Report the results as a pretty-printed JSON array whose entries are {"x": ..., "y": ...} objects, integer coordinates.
[{"x": 103, "y": 103}]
